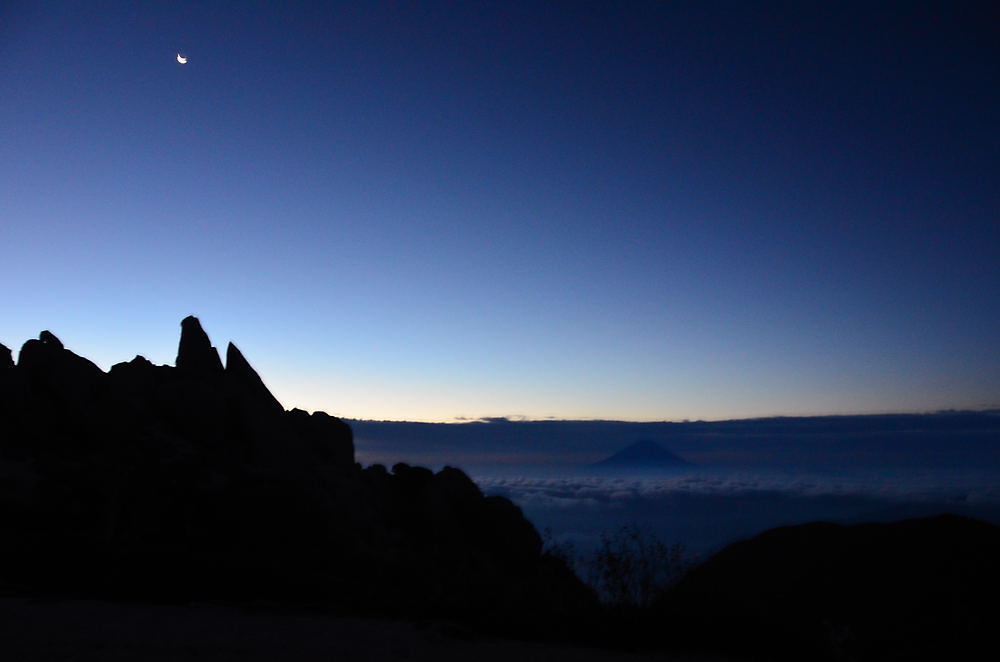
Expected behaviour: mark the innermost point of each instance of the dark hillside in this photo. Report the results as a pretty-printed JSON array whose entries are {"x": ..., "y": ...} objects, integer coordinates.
[{"x": 907, "y": 590}]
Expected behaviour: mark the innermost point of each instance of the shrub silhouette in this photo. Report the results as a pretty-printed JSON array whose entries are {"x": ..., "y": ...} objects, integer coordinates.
[{"x": 633, "y": 567}]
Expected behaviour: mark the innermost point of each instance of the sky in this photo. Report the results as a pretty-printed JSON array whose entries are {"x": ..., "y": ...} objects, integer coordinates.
[{"x": 433, "y": 211}]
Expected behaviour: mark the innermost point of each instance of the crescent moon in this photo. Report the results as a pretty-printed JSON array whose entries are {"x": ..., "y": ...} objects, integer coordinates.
[{"x": 182, "y": 59}]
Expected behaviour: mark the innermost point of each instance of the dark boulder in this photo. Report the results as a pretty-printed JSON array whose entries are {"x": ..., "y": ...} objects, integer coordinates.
[
  {"x": 6, "y": 359},
  {"x": 49, "y": 338}
]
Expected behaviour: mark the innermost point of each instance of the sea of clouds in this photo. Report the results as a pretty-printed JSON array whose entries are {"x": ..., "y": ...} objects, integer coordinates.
[
  {"x": 745, "y": 476},
  {"x": 705, "y": 510}
]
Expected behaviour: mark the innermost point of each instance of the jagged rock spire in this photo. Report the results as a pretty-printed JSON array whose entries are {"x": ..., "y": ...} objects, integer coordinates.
[
  {"x": 195, "y": 353},
  {"x": 241, "y": 376},
  {"x": 6, "y": 357}
]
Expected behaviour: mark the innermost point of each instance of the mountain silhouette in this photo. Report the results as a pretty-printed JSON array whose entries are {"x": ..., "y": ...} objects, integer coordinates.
[
  {"x": 643, "y": 454},
  {"x": 193, "y": 482}
]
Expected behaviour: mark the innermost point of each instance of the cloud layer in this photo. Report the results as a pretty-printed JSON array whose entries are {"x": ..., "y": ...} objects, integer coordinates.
[{"x": 705, "y": 510}]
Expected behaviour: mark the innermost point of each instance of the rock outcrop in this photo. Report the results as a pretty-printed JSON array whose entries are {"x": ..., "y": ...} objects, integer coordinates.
[
  {"x": 192, "y": 481},
  {"x": 6, "y": 358},
  {"x": 195, "y": 354},
  {"x": 247, "y": 384}
]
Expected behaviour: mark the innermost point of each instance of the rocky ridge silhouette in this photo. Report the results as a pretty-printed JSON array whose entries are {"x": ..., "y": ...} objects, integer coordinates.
[{"x": 192, "y": 482}]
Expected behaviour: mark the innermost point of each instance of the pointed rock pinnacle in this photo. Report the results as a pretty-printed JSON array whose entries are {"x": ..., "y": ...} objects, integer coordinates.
[
  {"x": 241, "y": 375},
  {"x": 195, "y": 353}
]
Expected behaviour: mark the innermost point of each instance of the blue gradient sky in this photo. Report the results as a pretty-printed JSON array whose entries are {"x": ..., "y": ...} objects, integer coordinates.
[{"x": 431, "y": 210}]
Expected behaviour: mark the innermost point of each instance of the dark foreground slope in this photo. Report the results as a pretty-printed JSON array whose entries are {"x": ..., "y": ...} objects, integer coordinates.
[
  {"x": 192, "y": 482},
  {"x": 922, "y": 589},
  {"x": 96, "y": 631}
]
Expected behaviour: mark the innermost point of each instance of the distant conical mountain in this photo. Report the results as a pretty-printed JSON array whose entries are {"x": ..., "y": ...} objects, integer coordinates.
[{"x": 644, "y": 454}]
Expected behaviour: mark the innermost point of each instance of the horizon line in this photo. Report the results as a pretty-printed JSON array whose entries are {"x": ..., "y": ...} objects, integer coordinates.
[{"x": 500, "y": 420}]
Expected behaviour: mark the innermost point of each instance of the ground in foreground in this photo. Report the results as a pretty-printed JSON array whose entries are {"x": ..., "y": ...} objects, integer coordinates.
[{"x": 34, "y": 630}]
